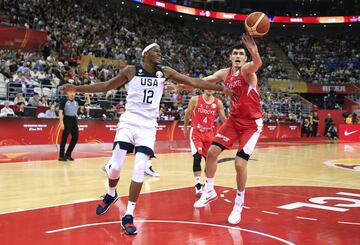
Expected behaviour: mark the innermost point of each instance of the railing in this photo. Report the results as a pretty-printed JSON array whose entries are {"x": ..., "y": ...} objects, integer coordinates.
[
  {"x": 355, "y": 97},
  {"x": 175, "y": 102}
]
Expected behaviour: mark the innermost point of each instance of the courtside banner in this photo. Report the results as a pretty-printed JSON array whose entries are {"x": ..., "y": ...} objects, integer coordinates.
[
  {"x": 12, "y": 37},
  {"x": 288, "y": 86},
  {"x": 349, "y": 132},
  {"x": 241, "y": 17},
  {"x": 326, "y": 88},
  {"x": 36, "y": 131}
]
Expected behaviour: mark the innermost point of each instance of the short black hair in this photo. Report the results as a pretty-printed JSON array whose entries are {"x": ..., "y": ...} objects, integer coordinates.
[{"x": 236, "y": 46}]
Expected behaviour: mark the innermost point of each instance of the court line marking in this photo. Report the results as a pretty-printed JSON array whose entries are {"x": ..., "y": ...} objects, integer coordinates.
[
  {"x": 227, "y": 200},
  {"x": 272, "y": 185},
  {"x": 300, "y": 217},
  {"x": 268, "y": 212},
  {"x": 175, "y": 222},
  {"x": 329, "y": 163},
  {"x": 168, "y": 189},
  {"x": 348, "y": 223},
  {"x": 84, "y": 200}
]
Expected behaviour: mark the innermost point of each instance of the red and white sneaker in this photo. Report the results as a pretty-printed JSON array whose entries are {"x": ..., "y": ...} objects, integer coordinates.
[
  {"x": 206, "y": 198},
  {"x": 235, "y": 215}
]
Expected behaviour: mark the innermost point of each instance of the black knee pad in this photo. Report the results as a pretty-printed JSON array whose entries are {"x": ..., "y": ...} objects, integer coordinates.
[
  {"x": 243, "y": 155},
  {"x": 197, "y": 162}
]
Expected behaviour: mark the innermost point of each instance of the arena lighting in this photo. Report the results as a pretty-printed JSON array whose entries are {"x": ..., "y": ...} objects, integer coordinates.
[
  {"x": 241, "y": 17},
  {"x": 196, "y": 18},
  {"x": 122, "y": 3}
]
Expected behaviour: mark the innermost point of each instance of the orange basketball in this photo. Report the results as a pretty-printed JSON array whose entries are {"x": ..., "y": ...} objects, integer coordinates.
[{"x": 257, "y": 24}]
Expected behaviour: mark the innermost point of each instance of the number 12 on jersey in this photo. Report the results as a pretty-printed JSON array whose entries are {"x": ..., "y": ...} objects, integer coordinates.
[{"x": 148, "y": 95}]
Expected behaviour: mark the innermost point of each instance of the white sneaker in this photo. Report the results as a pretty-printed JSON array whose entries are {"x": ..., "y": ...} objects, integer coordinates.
[
  {"x": 235, "y": 215},
  {"x": 198, "y": 189},
  {"x": 106, "y": 169},
  {"x": 206, "y": 198},
  {"x": 149, "y": 171}
]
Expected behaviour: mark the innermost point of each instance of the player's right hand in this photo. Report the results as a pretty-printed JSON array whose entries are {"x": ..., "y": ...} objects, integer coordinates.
[
  {"x": 67, "y": 88},
  {"x": 62, "y": 126}
]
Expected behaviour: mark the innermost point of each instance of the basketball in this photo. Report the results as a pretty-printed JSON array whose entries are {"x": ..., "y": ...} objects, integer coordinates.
[{"x": 257, "y": 24}]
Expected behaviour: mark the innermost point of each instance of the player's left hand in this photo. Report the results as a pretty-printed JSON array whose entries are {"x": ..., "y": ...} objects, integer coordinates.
[{"x": 249, "y": 43}]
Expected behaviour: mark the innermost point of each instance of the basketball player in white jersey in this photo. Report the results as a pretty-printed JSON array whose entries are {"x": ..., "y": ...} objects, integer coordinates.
[{"x": 136, "y": 128}]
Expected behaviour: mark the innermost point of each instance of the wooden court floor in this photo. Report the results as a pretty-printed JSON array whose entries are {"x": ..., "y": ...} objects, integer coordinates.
[{"x": 35, "y": 184}]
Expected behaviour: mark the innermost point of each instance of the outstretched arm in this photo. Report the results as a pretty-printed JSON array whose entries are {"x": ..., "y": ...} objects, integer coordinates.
[
  {"x": 124, "y": 76},
  {"x": 218, "y": 76},
  {"x": 195, "y": 82}
]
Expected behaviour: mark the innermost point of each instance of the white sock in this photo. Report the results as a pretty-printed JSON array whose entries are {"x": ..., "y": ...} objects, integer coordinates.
[
  {"x": 197, "y": 180},
  {"x": 111, "y": 191},
  {"x": 148, "y": 164},
  {"x": 130, "y": 208},
  {"x": 239, "y": 200},
  {"x": 209, "y": 184}
]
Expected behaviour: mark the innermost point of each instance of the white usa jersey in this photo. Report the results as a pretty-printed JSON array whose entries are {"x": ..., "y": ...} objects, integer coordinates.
[{"x": 143, "y": 97}]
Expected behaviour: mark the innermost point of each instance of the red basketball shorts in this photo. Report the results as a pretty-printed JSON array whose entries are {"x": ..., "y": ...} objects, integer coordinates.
[
  {"x": 246, "y": 132},
  {"x": 200, "y": 141}
]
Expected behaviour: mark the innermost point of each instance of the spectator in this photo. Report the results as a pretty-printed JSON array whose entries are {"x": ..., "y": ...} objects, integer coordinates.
[
  {"x": 306, "y": 128},
  {"x": 7, "y": 111},
  {"x": 50, "y": 113},
  {"x": 328, "y": 122},
  {"x": 44, "y": 101},
  {"x": 21, "y": 111},
  {"x": 315, "y": 123},
  {"x": 19, "y": 98},
  {"x": 35, "y": 100},
  {"x": 332, "y": 132},
  {"x": 349, "y": 118}
]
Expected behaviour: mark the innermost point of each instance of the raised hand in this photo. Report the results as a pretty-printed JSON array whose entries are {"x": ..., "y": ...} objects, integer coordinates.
[{"x": 249, "y": 43}]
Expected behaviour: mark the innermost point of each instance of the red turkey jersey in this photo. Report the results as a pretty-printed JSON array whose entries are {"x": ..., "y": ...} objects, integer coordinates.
[
  {"x": 247, "y": 104},
  {"x": 204, "y": 114}
]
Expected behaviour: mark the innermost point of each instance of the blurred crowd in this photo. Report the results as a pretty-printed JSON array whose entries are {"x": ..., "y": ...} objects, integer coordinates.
[{"x": 325, "y": 60}]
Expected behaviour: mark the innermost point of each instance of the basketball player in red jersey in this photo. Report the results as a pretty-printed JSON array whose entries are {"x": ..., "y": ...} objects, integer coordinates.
[
  {"x": 244, "y": 124},
  {"x": 203, "y": 110}
]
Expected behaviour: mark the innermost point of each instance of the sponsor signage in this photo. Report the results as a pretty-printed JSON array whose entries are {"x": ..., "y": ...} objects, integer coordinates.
[
  {"x": 349, "y": 132},
  {"x": 242, "y": 17},
  {"x": 47, "y": 131}
]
